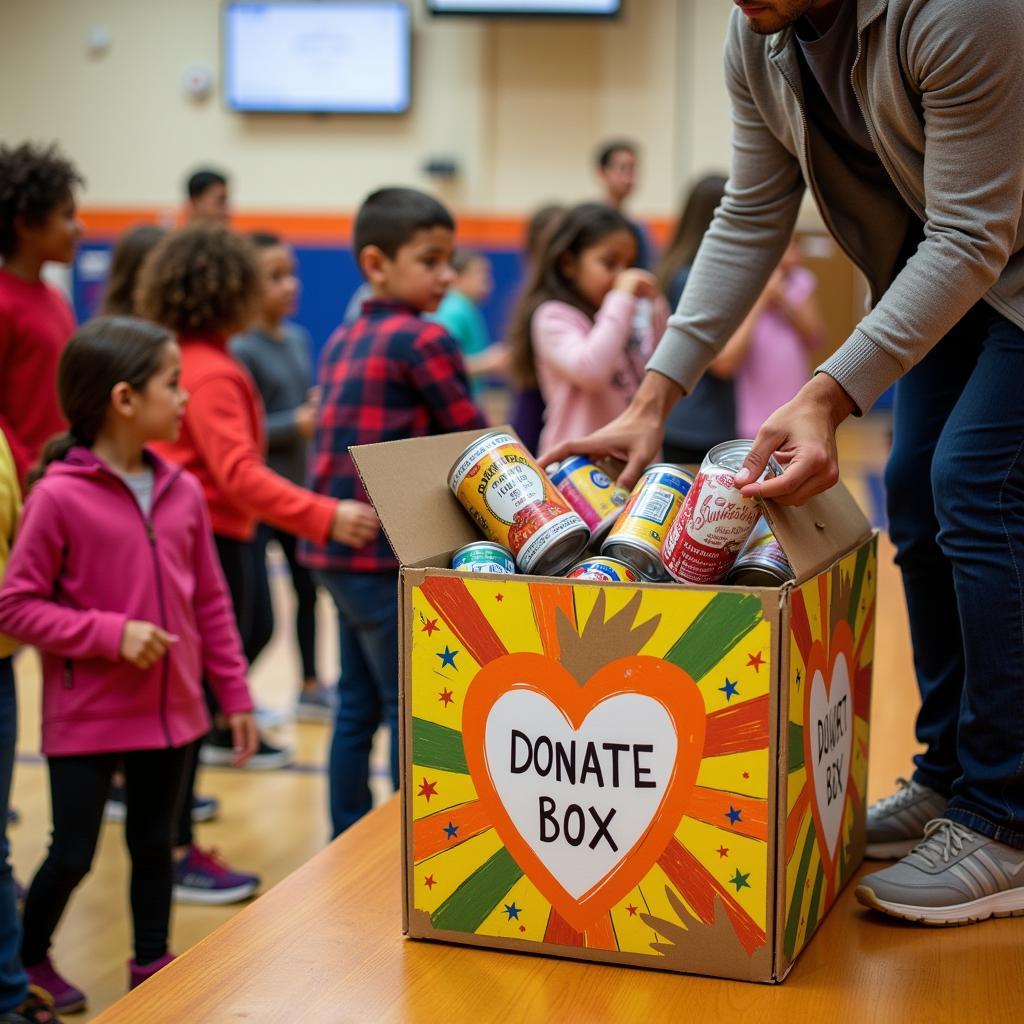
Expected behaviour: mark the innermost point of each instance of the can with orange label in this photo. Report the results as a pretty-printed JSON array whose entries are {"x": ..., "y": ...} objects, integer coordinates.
[{"x": 513, "y": 502}]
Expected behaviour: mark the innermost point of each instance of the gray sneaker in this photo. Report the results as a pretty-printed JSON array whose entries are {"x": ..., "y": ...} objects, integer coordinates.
[
  {"x": 955, "y": 876},
  {"x": 896, "y": 823}
]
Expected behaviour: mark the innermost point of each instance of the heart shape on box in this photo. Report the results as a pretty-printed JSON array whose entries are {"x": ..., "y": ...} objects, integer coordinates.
[
  {"x": 828, "y": 738},
  {"x": 585, "y": 784}
]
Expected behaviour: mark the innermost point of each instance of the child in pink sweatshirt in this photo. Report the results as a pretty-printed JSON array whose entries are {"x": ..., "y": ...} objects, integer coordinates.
[
  {"x": 587, "y": 322},
  {"x": 114, "y": 577}
]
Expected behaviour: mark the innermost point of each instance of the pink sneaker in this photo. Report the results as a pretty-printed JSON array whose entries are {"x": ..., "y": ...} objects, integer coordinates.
[
  {"x": 66, "y": 997},
  {"x": 137, "y": 975}
]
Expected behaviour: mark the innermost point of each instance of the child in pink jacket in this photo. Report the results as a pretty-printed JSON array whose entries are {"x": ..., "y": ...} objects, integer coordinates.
[
  {"x": 114, "y": 577},
  {"x": 587, "y": 322}
]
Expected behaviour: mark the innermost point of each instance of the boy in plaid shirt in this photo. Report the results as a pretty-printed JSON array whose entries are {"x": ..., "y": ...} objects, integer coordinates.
[{"x": 388, "y": 375}]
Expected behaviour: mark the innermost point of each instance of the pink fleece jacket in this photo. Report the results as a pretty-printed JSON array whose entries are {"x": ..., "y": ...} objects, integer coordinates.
[
  {"x": 588, "y": 370},
  {"x": 85, "y": 562}
]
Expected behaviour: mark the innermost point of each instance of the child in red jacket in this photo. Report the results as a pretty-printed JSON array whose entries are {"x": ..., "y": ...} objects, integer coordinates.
[{"x": 114, "y": 577}]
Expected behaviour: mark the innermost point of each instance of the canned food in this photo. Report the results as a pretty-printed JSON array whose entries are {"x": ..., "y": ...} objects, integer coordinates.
[
  {"x": 606, "y": 570},
  {"x": 592, "y": 494},
  {"x": 483, "y": 556},
  {"x": 639, "y": 532},
  {"x": 762, "y": 562},
  {"x": 510, "y": 498},
  {"x": 716, "y": 520}
]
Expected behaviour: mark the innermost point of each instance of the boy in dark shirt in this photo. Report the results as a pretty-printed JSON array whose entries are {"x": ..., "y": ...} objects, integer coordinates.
[
  {"x": 38, "y": 224},
  {"x": 388, "y": 375}
]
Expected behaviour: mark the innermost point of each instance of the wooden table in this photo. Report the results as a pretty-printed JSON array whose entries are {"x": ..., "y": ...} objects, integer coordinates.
[{"x": 326, "y": 945}]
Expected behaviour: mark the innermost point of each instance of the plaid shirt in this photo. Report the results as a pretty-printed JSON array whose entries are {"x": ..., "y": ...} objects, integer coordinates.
[{"x": 385, "y": 377}]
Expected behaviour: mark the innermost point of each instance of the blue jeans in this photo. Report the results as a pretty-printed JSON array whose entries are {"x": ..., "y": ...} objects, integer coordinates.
[
  {"x": 13, "y": 980},
  {"x": 367, "y": 606},
  {"x": 955, "y": 491}
]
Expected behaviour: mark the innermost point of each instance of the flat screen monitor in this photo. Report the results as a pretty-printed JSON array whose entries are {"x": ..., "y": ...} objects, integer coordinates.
[
  {"x": 326, "y": 57},
  {"x": 551, "y": 8}
]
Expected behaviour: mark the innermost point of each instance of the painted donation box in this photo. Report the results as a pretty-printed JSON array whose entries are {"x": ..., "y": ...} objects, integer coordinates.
[{"x": 651, "y": 774}]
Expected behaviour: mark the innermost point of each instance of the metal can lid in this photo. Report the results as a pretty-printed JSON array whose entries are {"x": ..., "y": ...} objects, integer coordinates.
[
  {"x": 506, "y": 438},
  {"x": 483, "y": 545}
]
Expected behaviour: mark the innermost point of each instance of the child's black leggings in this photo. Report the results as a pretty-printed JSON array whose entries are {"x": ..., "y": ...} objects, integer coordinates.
[{"x": 79, "y": 786}]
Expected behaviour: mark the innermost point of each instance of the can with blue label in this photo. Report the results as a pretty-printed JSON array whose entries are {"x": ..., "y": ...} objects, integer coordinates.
[
  {"x": 604, "y": 570},
  {"x": 484, "y": 556},
  {"x": 593, "y": 495}
]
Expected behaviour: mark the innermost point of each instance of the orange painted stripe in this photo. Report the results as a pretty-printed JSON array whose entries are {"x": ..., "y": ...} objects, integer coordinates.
[
  {"x": 601, "y": 934},
  {"x": 713, "y": 806},
  {"x": 429, "y": 836},
  {"x": 547, "y": 599},
  {"x": 793, "y": 821},
  {"x": 454, "y": 603},
  {"x": 737, "y": 729}
]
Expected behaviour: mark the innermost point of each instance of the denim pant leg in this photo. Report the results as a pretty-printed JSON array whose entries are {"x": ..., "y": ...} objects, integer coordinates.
[
  {"x": 978, "y": 483},
  {"x": 13, "y": 980},
  {"x": 925, "y": 397},
  {"x": 367, "y": 688}
]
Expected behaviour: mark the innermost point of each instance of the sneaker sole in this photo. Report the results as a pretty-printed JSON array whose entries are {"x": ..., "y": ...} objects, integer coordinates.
[
  {"x": 217, "y": 757},
  {"x": 891, "y": 851},
  {"x": 213, "y": 897},
  {"x": 1009, "y": 903},
  {"x": 204, "y": 813},
  {"x": 113, "y": 810}
]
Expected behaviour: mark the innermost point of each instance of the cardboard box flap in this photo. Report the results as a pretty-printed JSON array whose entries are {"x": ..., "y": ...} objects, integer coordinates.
[
  {"x": 815, "y": 534},
  {"x": 407, "y": 483}
]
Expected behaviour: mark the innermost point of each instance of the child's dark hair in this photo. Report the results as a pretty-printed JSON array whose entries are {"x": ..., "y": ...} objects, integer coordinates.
[
  {"x": 206, "y": 177},
  {"x": 537, "y": 229},
  {"x": 130, "y": 253},
  {"x": 576, "y": 230},
  {"x": 265, "y": 239},
  {"x": 200, "y": 280},
  {"x": 694, "y": 221},
  {"x": 607, "y": 150},
  {"x": 101, "y": 354},
  {"x": 390, "y": 217},
  {"x": 33, "y": 181}
]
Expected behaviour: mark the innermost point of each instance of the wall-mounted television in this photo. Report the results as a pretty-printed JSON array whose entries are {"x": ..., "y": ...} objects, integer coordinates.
[
  {"x": 539, "y": 8},
  {"x": 324, "y": 57}
]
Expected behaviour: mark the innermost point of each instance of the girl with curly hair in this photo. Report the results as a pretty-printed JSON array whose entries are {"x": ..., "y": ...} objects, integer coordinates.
[{"x": 38, "y": 223}]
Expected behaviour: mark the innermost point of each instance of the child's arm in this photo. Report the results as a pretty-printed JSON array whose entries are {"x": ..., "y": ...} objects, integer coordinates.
[
  {"x": 28, "y": 611},
  {"x": 587, "y": 357},
  {"x": 439, "y": 374}
]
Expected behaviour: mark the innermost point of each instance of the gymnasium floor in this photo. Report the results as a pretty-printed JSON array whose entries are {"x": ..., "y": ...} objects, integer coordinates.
[{"x": 273, "y": 822}]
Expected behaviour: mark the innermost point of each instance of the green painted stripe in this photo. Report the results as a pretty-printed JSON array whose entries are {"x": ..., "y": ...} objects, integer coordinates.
[
  {"x": 437, "y": 746},
  {"x": 796, "y": 746},
  {"x": 721, "y": 625},
  {"x": 815, "y": 908},
  {"x": 858, "y": 582},
  {"x": 793, "y": 921},
  {"x": 467, "y": 908}
]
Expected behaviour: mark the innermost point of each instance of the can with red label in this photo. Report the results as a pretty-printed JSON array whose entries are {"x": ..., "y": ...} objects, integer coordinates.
[
  {"x": 511, "y": 499},
  {"x": 762, "y": 562},
  {"x": 605, "y": 570},
  {"x": 716, "y": 520},
  {"x": 639, "y": 532},
  {"x": 591, "y": 492}
]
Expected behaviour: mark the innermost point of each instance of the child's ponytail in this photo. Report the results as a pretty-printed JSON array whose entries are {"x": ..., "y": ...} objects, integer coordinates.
[{"x": 101, "y": 354}]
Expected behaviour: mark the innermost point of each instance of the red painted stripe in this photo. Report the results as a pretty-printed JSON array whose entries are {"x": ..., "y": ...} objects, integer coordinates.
[
  {"x": 800, "y": 625},
  {"x": 454, "y": 603},
  {"x": 862, "y": 693},
  {"x": 740, "y": 728},
  {"x": 560, "y": 933},
  {"x": 698, "y": 887},
  {"x": 712, "y": 806}
]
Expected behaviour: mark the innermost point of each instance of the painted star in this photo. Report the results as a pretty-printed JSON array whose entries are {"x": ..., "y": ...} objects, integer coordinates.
[
  {"x": 522, "y": 927},
  {"x": 499, "y": 598},
  {"x": 430, "y": 626},
  {"x": 452, "y": 831},
  {"x": 755, "y": 661},
  {"x": 631, "y": 910},
  {"x": 446, "y": 698},
  {"x": 732, "y": 814},
  {"x": 512, "y": 910},
  {"x": 723, "y": 851},
  {"x": 740, "y": 881},
  {"x": 429, "y": 882},
  {"x": 427, "y": 789},
  {"x": 746, "y": 775},
  {"x": 730, "y": 689},
  {"x": 448, "y": 658}
]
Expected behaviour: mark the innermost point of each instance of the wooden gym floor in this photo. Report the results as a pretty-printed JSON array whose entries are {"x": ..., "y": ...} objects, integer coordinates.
[{"x": 272, "y": 822}]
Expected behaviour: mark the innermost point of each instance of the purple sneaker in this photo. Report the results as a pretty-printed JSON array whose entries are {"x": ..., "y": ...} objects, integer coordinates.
[
  {"x": 66, "y": 998},
  {"x": 137, "y": 975},
  {"x": 202, "y": 877}
]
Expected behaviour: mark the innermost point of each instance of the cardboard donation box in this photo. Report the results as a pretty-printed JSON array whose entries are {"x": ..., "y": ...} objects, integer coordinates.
[{"x": 649, "y": 774}]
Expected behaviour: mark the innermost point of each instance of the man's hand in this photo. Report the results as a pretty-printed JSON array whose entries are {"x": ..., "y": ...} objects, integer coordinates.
[
  {"x": 144, "y": 644},
  {"x": 802, "y": 436},
  {"x": 634, "y": 437}
]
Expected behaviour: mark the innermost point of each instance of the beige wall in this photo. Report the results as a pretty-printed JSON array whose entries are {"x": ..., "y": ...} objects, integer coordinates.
[{"x": 519, "y": 104}]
